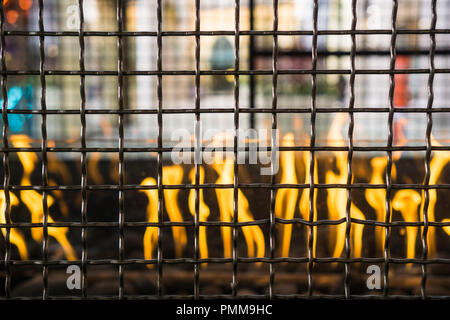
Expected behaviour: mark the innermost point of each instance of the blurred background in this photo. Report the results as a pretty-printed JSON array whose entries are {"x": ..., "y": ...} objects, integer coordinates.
[{"x": 217, "y": 53}]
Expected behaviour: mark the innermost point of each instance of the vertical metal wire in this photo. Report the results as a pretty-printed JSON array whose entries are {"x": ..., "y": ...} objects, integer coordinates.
[
  {"x": 234, "y": 284},
  {"x": 274, "y": 127},
  {"x": 84, "y": 218},
  {"x": 121, "y": 146},
  {"x": 428, "y": 151},
  {"x": 312, "y": 145},
  {"x": 351, "y": 126},
  {"x": 197, "y": 142},
  {"x": 44, "y": 151},
  {"x": 387, "y": 220},
  {"x": 6, "y": 177},
  {"x": 251, "y": 62},
  {"x": 160, "y": 145}
]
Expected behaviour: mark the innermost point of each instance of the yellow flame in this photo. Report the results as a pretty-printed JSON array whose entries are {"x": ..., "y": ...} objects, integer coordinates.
[
  {"x": 33, "y": 200},
  {"x": 376, "y": 198},
  {"x": 92, "y": 167},
  {"x": 446, "y": 228},
  {"x": 58, "y": 194},
  {"x": 203, "y": 212},
  {"x": 171, "y": 176},
  {"x": 253, "y": 234},
  {"x": 16, "y": 237},
  {"x": 437, "y": 164},
  {"x": 304, "y": 199},
  {"x": 407, "y": 202},
  {"x": 286, "y": 199},
  {"x": 151, "y": 233},
  {"x": 337, "y": 198}
]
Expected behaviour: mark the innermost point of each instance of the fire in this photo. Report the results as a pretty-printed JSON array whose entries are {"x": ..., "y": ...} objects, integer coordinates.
[
  {"x": 16, "y": 237},
  {"x": 437, "y": 164},
  {"x": 407, "y": 202},
  {"x": 171, "y": 176},
  {"x": 253, "y": 234},
  {"x": 337, "y": 198},
  {"x": 446, "y": 228},
  {"x": 203, "y": 211},
  {"x": 377, "y": 197},
  {"x": 55, "y": 165},
  {"x": 33, "y": 200},
  {"x": 92, "y": 168},
  {"x": 151, "y": 233},
  {"x": 304, "y": 199},
  {"x": 286, "y": 199}
]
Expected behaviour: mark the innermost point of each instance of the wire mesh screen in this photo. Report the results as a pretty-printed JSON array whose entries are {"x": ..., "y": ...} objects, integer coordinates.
[{"x": 109, "y": 109}]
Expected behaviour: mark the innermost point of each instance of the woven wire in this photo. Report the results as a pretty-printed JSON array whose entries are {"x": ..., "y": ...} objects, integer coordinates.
[{"x": 272, "y": 221}]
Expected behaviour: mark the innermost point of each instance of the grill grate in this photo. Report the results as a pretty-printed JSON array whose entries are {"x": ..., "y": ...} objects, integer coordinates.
[{"x": 160, "y": 261}]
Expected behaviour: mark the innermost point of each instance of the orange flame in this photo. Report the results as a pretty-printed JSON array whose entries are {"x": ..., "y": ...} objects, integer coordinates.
[
  {"x": 337, "y": 198},
  {"x": 171, "y": 176},
  {"x": 376, "y": 198},
  {"x": 16, "y": 237},
  {"x": 304, "y": 199},
  {"x": 286, "y": 199},
  {"x": 33, "y": 200},
  {"x": 437, "y": 164},
  {"x": 203, "y": 212},
  {"x": 151, "y": 233},
  {"x": 253, "y": 234},
  {"x": 92, "y": 167},
  {"x": 55, "y": 165},
  {"x": 446, "y": 228},
  {"x": 407, "y": 202}
]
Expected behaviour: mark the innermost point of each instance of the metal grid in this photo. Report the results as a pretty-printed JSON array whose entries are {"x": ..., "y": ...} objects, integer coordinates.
[{"x": 121, "y": 149}]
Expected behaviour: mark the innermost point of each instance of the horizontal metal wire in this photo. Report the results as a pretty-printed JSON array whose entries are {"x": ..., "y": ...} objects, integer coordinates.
[
  {"x": 141, "y": 224},
  {"x": 62, "y": 110},
  {"x": 259, "y": 72},
  {"x": 227, "y": 260},
  {"x": 220, "y": 33},
  {"x": 224, "y": 149},
  {"x": 137, "y": 187}
]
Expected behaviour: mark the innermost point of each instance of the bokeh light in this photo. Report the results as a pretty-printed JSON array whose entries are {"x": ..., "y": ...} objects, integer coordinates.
[
  {"x": 12, "y": 16},
  {"x": 25, "y": 4}
]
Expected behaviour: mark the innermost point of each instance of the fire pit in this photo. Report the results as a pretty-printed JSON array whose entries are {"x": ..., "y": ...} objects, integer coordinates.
[{"x": 170, "y": 194}]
